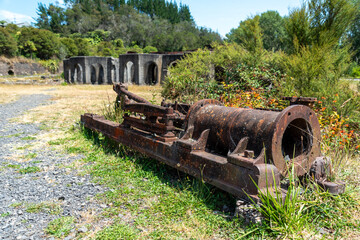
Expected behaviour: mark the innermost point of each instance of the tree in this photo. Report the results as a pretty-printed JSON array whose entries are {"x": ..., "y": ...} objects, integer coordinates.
[
  {"x": 8, "y": 46},
  {"x": 70, "y": 47},
  {"x": 46, "y": 43},
  {"x": 249, "y": 34},
  {"x": 320, "y": 22},
  {"x": 354, "y": 34},
  {"x": 319, "y": 52},
  {"x": 273, "y": 29}
]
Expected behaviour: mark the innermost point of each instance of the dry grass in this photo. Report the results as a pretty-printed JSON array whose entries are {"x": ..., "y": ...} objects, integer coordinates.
[
  {"x": 16, "y": 60},
  {"x": 9, "y": 93},
  {"x": 69, "y": 102}
]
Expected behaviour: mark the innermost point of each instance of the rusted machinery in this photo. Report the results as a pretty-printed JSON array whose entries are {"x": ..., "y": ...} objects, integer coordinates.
[{"x": 242, "y": 151}]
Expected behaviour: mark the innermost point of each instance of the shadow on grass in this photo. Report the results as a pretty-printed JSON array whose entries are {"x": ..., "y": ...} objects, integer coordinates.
[{"x": 214, "y": 198}]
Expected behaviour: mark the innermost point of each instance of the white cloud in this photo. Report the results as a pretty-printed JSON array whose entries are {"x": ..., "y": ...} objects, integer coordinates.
[{"x": 14, "y": 17}]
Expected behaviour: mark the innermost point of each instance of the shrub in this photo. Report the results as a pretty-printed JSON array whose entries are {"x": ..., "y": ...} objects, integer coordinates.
[{"x": 355, "y": 72}]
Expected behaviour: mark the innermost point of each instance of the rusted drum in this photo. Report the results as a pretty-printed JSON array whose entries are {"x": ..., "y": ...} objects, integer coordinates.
[{"x": 289, "y": 136}]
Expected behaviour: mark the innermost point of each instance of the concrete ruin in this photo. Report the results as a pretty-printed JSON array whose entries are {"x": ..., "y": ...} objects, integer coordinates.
[{"x": 130, "y": 68}]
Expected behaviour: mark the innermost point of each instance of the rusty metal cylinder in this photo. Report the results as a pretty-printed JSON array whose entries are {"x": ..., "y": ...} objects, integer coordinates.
[{"x": 289, "y": 136}]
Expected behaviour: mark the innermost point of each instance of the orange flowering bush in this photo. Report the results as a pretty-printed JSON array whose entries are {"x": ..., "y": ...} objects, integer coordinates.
[
  {"x": 253, "y": 98},
  {"x": 337, "y": 131}
]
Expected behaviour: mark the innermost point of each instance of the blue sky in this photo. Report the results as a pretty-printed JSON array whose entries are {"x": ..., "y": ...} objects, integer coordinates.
[{"x": 220, "y": 16}]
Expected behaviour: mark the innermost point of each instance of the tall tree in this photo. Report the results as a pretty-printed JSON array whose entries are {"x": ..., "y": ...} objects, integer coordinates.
[
  {"x": 8, "y": 46},
  {"x": 273, "y": 29},
  {"x": 249, "y": 34},
  {"x": 354, "y": 33}
]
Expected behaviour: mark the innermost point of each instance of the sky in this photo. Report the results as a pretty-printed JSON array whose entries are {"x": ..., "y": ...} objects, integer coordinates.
[{"x": 220, "y": 16}]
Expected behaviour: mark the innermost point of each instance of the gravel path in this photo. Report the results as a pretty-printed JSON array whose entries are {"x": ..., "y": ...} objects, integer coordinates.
[{"x": 35, "y": 188}]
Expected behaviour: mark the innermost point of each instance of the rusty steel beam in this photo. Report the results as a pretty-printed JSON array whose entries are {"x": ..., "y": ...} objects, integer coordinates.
[{"x": 242, "y": 151}]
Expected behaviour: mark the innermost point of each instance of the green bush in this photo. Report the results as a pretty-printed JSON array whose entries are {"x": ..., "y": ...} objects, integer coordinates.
[
  {"x": 8, "y": 44},
  {"x": 355, "y": 72},
  {"x": 51, "y": 65},
  {"x": 202, "y": 74}
]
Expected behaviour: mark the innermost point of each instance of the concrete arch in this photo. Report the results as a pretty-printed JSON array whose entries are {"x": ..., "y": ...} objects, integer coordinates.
[
  {"x": 172, "y": 64},
  {"x": 129, "y": 72},
  {"x": 113, "y": 75},
  {"x": 152, "y": 73},
  {"x": 78, "y": 74},
  {"x": 97, "y": 74}
]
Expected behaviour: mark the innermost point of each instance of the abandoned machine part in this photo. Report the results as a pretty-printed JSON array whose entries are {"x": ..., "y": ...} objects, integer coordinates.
[{"x": 240, "y": 150}]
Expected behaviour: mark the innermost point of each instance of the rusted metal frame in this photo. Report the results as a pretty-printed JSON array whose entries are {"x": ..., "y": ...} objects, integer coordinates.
[
  {"x": 224, "y": 146},
  {"x": 307, "y": 101},
  {"x": 120, "y": 89},
  {"x": 235, "y": 174}
]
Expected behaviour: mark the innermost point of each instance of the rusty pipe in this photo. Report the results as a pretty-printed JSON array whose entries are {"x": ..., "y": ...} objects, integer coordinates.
[{"x": 289, "y": 136}]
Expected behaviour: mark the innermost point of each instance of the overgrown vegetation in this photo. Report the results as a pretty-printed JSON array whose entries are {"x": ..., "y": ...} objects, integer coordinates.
[{"x": 315, "y": 56}]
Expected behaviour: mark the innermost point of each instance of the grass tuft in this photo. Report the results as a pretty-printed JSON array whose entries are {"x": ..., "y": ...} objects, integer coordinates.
[
  {"x": 60, "y": 227},
  {"x": 31, "y": 169},
  {"x": 47, "y": 207}
]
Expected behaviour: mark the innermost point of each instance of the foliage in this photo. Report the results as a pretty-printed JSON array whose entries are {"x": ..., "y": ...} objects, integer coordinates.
[
  {"x": 149, "y": 49},
  {"x": 70, "y": 46},
  {"x": 117, "y": 231},
  {"x": 8, "y": 46},
  {"x": 60, "y": 227},
  {"x": 30, "y": 169},
  {"x": 205, "y": 74},
  {"x": 355, "y": 72},
  {"x": 158, "y": 23},
  {"x": 45, "y": 43},
  {"x": 51, "y": 65},
  {"x": 273, "y": 30},
  {"x": 248, "y": 34},
  {"x": 354, "y": 33}
]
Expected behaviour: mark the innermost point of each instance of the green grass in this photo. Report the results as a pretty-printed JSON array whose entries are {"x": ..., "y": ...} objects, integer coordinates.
[
  {"x": 30, "y": 155},
  {"x": 4, "y": 214},
  {"x": 118, "y": 231},
  {"x": 28, "y": 138},
  {"x": 161, "y": 203},
  {"x": 16, "y": 205},
  {"x": 30, "y": 169},
  {"x": 23, "y": 147},
  {"x": 60, "y": 227},
  {"x": 12, "y": 135},
  {"x": 15, "y": 166},
  {"x": 47, "y": 207}
]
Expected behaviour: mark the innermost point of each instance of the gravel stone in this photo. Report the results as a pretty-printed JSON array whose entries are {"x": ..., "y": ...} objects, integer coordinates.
[{"x": 53, "y": 183}]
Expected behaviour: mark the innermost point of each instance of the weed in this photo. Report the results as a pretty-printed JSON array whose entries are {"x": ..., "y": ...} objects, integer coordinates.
[
  {"x": 48, "y": 207},
  {"x": 30, "y": 155},
  {"x": 28, "y": 138},
  {"x": 16, "y": 205},
  {"x": 5, "y": 214},
  {"x": 31, "y": 169},
  {"x": 283, "y": 215},
  {"x": 23, "y": 147},
  {"x": 60, "y": 227},
  {"x": 118, "y": 231},
  {"x": 15, "y": 166},
  {"x": 13, "y": 135}
]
